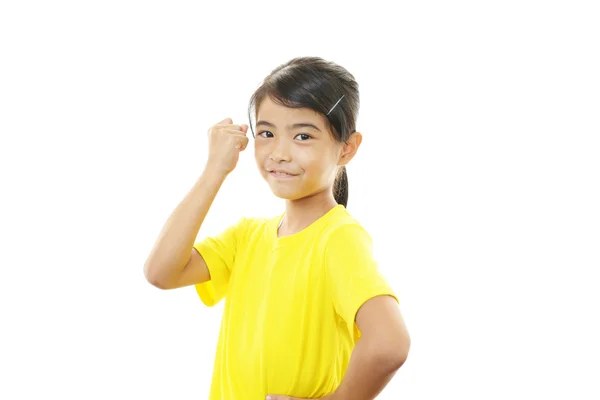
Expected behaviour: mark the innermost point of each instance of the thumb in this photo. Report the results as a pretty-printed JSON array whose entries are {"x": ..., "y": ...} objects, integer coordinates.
[{"x": 226, "y": 121}]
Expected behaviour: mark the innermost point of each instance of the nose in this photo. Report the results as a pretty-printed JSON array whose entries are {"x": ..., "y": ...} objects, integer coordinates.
[{"x": 280, "y": 151}]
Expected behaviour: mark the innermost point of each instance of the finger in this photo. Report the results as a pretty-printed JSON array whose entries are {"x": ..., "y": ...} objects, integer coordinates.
[
  {"x": 237, "y": 135},
  {"x": 232, "y": 127},
  {"x": 226, "y": 121},
  {"x": 242, "y": 143},
  {"x": 234, "y": 131},
  {"x": 239, "y": 139},
  {"x": 244, "y": 128}
]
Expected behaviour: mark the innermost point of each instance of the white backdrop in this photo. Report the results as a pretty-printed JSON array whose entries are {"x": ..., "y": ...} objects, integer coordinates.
[{"x": 478, "y": 179}]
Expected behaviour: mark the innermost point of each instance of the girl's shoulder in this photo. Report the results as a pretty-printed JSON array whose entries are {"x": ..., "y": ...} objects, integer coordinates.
[
  {"x": 343, "y": 224},
  {"x": 253, "y": 226}
]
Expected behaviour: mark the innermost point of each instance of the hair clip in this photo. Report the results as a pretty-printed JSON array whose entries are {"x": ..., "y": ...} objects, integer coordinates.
[{"x": 335, "y": 105}]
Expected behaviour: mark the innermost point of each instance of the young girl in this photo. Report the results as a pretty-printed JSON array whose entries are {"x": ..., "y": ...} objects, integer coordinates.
[{"x": 307, "y": 313}]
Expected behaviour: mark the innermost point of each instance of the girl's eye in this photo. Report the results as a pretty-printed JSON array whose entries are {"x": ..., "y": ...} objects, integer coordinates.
[
  {"x": 304, "y": 136},
  {"x": 263, "y": 134}
]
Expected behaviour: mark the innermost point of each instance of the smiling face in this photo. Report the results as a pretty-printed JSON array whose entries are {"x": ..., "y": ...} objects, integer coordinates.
[{"x": 295, "y": 152}]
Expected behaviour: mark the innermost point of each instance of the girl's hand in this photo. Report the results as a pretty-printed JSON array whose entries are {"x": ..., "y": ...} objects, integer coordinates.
[
  {"x": 281, "y": 397},
  {"x": 225, "y": 141}
]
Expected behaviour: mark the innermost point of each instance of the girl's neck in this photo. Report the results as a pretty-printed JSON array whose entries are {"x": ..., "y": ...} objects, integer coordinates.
[{"x": 301, "y": 213}]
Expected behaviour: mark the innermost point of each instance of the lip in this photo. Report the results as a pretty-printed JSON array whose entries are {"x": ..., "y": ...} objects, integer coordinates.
[{"x": 281, "y": 174}]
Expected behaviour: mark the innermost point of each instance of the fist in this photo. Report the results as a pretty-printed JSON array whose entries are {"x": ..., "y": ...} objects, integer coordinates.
[{"x": 225, "y": 142}]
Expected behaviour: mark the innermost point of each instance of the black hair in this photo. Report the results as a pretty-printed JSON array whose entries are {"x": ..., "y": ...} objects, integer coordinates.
[{"x": 317, "y": 84}]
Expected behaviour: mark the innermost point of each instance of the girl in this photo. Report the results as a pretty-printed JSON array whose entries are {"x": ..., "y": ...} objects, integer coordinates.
[{"x": 307, "y": 313}]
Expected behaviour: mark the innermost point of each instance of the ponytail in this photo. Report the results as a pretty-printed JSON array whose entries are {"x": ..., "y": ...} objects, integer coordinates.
[{"x": 340, "y": 187}]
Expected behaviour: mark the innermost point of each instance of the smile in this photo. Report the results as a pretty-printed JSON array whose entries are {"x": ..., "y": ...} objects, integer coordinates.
[{"x": 281, "y": 175}]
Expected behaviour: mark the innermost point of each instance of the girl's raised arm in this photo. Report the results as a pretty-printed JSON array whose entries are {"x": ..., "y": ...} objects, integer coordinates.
[{"x": 173, "y": 262}]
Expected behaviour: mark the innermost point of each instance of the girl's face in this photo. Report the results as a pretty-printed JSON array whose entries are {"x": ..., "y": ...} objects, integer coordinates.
[{"x": 295, "y": 153}]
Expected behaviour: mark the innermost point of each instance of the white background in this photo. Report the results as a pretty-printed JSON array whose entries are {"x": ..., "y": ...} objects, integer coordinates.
[{"x": 478, "y": 179}]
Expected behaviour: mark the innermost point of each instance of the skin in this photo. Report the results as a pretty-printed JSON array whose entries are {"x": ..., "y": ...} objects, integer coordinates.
[{"x": 313, "y": 157}]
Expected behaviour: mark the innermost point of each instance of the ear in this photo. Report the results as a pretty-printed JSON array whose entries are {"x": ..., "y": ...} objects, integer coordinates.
[{"x": 349, "y": 148}]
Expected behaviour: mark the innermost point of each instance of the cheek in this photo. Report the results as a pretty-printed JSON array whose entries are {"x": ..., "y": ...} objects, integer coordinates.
[
  {"x": 261, "y": 157},
  {"x": 259, "y": 152},
  {"x": 258, "y": 157},
  {"x": 309, "y": 158},
  {"x": 316, "y": 165}
]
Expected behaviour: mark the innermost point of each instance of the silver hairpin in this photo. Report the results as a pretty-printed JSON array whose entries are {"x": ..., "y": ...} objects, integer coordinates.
[{"x": 335, "y": 104}]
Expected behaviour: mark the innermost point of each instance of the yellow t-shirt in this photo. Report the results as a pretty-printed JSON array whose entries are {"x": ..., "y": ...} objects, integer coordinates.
[{"x": 288, "y": 325}]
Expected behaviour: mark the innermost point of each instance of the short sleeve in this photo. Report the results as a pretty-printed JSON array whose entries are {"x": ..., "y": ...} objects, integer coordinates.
[
  {"x": 353, "y": 273},
  {"x": 219, "y": 254}
]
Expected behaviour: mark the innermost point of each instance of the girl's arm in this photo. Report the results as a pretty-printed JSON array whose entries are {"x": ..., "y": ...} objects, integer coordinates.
[
  {"x": 381, "y": 350},
  {"x": 173, "y": 261}
]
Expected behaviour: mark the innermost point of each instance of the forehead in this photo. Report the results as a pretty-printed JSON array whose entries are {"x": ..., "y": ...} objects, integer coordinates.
[{"x": 276, "y": 113}]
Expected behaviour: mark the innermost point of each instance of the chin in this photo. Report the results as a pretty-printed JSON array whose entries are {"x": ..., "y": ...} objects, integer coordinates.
[
  {"x": 286, "y": 194},
  {"x": 291, "y": 194}
]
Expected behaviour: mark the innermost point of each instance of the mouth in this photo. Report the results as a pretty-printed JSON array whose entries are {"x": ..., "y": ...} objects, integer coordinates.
[{"x": 281, "y": 174}]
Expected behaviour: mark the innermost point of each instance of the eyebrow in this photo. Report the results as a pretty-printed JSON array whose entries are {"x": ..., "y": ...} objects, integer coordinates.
[{"x": 293, "y": 126}]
